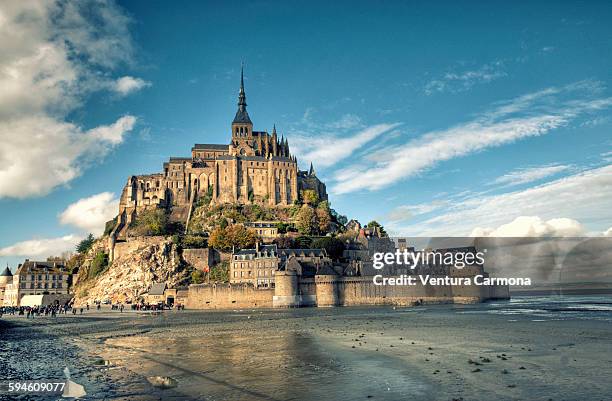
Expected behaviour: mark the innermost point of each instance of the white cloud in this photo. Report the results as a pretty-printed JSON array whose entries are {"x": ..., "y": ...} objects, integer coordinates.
[
  {"x": 325, "y": 150},
  {"x": 465, "y": 80},
  {"x": 583, "y": 197},
  {"x": 533, "y": 226},
  {"x": 52, "y": 55},
  {"x": 541, "y": 113},
  {"x": 530, "y": 174},
  {"x": 126, "y": 85},
  {"x": 43, "y": 247},
  {"x": 608, "y": 232},
  {"x": 39, "y": 152},
  {"x": 90, "y": 214},
  {"x": 405, "y": 212}
]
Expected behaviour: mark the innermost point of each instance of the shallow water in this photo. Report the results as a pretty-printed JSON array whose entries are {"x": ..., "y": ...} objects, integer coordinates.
[
  {"x": 268, "y": 366},
  {"x": 557, "y": 307}
]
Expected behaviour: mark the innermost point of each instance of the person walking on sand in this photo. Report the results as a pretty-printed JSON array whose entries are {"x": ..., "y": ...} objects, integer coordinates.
[
  {"x": 87, "y": 306},
  {"x": 81, "y": 311},
  {"x": 121, "y": 308}
]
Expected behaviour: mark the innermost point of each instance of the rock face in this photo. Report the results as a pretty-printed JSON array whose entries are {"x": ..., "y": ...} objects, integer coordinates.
[{"x": 142, "y": 263}]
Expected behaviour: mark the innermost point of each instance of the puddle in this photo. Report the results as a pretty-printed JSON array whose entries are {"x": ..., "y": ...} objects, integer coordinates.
[{"x": 269, "y": 367}]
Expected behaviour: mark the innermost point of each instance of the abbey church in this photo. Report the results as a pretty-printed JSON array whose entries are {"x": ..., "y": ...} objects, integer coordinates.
[{"x": 255, "y": 167}]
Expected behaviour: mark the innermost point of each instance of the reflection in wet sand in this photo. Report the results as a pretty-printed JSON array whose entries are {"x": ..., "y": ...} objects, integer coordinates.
[{"x": 267, "y": 366}]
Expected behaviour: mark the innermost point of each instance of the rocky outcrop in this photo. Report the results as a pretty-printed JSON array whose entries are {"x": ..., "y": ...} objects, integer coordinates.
[{"x": 130, "y": 275}]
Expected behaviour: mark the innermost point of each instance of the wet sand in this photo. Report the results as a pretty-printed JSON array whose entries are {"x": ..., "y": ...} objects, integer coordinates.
[{"x": 423, "y": 353}]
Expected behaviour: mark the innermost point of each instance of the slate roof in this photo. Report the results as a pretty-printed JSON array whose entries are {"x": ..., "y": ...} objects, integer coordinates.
[
  {"x": 6, "y": 272},
  {"x": 211, "y": 146}
]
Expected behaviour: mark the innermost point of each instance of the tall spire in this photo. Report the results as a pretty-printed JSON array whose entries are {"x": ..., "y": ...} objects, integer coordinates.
[
  {"x": 312, "y": 170},
  {"x": 241, "y": 115}
]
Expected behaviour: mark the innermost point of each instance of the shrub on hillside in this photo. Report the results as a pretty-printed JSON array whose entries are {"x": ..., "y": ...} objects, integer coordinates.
[
  {"x": 98, "y": 265},
  {"x": 150, "y": 222}
]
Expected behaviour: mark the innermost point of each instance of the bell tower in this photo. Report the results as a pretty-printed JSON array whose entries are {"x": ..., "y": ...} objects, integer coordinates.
[{"x": 242, "y": 127}]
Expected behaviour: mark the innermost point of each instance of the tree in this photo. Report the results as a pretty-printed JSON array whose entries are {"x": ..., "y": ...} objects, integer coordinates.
[
  {"x": 340, "y": 218},
  {"x": 306, "y": 220},
  {"x": 374, "y": 224},
  {"x": 233, "y": 236},
  {"x": 151, "y": 222},
  {"x": 310, "y": 197},
  {"x": 86, "y": 244},
  {"x": 197, "y": 277},
  {"x": 193, "y": 241},
  {"x": 323, "y": 216},
  {"x": 220, "y": 272},
  {"x": 333, "y": 246},
  {"x": 284, "y": 242},
  {"x": 98, "y": 265}
]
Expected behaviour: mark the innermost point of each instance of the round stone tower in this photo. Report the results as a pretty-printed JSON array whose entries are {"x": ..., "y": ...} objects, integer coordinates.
[
  {"x": 286, "y": 292},
  {"x": 327, "y": 290},
  {"x": 6, "y": 277}
]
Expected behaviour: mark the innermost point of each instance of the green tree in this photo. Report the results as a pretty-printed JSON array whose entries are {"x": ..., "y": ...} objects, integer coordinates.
[
  {"x": 194, "y": 241},
  {"x": 305, "y": 221},
  {"x": 333, "y": 246},
  {"x": 374, "y": 224},
  {"x": 340, "y": 218},
  {"x": 220, "y": 272},
  {"x": 98, "y": 265},
  {"x": 310, "y": 197},
  {"x": 86, "y": 244},
  {"x": 151, "y": 222},
  {"x": 197, "y": 277}
]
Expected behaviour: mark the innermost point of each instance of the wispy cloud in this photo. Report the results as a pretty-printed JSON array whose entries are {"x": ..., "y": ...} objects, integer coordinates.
[
  {"x": 43, "y": 247},
  {"x": 406, "y": 212},
  {"x": 584, "y": 196},
  {"x": 326, "y": 150},
  {"x": 329, "y": 142},
  {"x": 526, "y": 116},
  {"x": 459, "y": 81},
  {"x": 530, "y": 174}
]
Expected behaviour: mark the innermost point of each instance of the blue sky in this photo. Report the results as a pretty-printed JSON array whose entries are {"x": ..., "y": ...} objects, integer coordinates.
[{"x": 435, "y": 118}]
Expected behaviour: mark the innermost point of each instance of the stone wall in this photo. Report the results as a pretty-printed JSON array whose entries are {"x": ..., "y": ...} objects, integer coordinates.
[
  {"x": 201, "y": 259},
  {"x": 228, "y": 296},
  {"x": 325, "y": 291}
]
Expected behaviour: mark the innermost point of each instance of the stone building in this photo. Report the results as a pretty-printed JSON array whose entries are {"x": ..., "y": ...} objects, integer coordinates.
[
  {"x": 255, "y": 167},
  {"x": 256, "y": 266},
  {"x": 260, "y": 265},
  {"x": 267, "y": 230},
  {"x": 36, "y": 278}
]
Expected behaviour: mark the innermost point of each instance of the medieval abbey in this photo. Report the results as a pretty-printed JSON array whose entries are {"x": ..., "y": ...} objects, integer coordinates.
[{"x": 255, "y": 167}]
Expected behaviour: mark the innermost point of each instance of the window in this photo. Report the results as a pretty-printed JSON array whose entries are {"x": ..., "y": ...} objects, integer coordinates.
[{"x": 59, "y": 285}]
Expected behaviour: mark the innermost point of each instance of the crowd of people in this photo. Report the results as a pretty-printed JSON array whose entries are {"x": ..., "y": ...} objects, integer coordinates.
[{"x": 56, "y": 309}]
